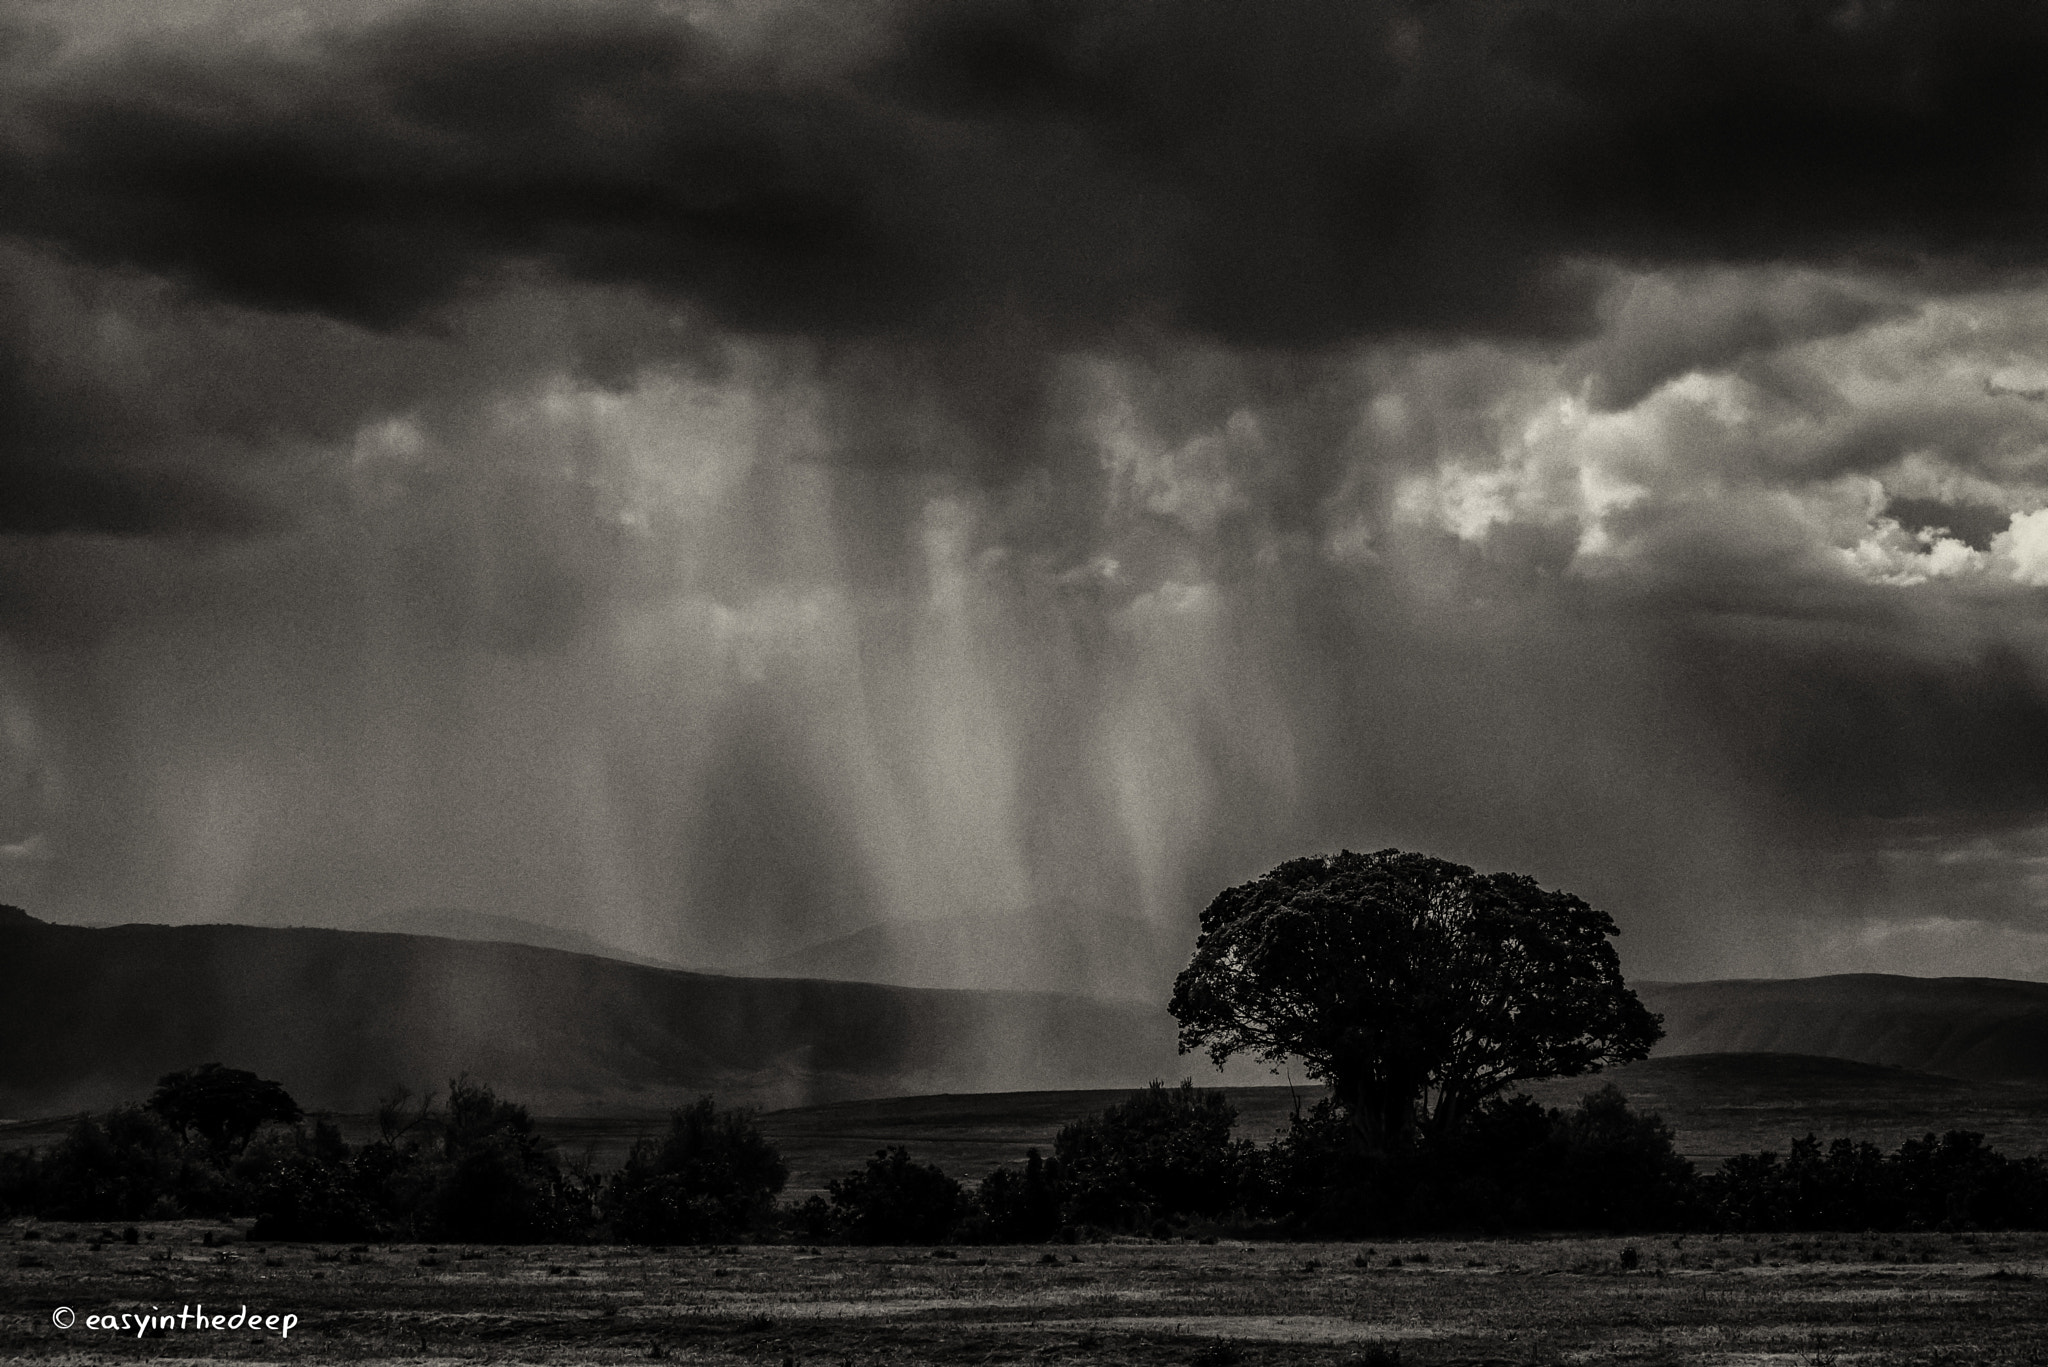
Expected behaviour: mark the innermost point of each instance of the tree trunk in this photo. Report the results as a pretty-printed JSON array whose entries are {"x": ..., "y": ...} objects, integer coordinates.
[
  {"x": 1384, "y": 1116},
  {"x": 1449, "y": 1110}
]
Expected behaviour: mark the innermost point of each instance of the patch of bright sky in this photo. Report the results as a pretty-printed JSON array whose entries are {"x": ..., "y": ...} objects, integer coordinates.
[{"x": 1949, "y": 390}]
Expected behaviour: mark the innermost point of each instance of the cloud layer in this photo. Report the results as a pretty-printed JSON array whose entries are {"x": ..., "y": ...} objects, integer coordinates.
[{"x": 723, "y": 476}]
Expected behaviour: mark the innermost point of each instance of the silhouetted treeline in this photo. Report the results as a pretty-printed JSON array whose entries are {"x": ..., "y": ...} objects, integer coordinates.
[
  {"x": 221, "y": 1143},
  {"x": 1954, "y": 1182},
  {"x": 474, "y": 1170},
  {"x": 1513, "y": 1165}
]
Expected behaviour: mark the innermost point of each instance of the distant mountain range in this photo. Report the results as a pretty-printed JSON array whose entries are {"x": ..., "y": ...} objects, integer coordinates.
[
  {"x": 93, "y": 1016},
  {"x": 460, "y": 923}
]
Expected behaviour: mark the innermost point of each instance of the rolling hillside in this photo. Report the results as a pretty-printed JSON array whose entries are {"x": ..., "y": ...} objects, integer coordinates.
[
  {"x": 1983, "y": 1029},
  {"x": 92, "y": 1016},
  {"x": 1051, "y": 948},
  {"x": 460, "y": 923}
]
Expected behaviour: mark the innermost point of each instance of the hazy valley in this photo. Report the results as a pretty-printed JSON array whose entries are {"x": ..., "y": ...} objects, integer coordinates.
[{"x": 968, "y": 1078}]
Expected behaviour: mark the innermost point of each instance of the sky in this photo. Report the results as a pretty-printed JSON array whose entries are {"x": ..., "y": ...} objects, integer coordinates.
[{"x": 719, "y": 476}]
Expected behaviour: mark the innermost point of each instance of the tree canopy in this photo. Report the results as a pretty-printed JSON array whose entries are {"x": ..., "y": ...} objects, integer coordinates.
[
  {"x": 1415, "y": 987},
  {"x": 1163, "y": 1152},
  {"x": 710, "y": 1179},
  {"x": 224, "y": 1105}
]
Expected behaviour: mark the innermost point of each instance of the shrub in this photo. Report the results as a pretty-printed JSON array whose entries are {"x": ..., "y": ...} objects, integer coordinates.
[
  {"x": 129, "y": 1165},
  {"x": 1512, "y": 1164},
  {"x": 21, "y": 1182},
  {"x": 173, "y": 1156},
  {"x": 814, "y": 1219},
  {"x": 1023, "y": 1207},
  {"x": 498, "y": 1180},
  {"x": 1955, "y": 1181},
  {"x": 1608, "y": 1167},
  {"x": 311, "y": 1188},
  {"x": 896, "y": 1201},
  {"x": 478, "y": 1171},
  {"x": 1958, "y": 1181},
  {"x": 1807, "y": 1190},
  {"x": 398, "y": 1178},
  {"x": 1321, "y": 1178},
  {"x": 714, "y": 1177},
  {"x": 1162, "y": 1154}
]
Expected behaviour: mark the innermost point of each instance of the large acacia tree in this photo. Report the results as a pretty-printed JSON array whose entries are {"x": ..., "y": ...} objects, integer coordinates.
[{"x": 1414, "y": 987}]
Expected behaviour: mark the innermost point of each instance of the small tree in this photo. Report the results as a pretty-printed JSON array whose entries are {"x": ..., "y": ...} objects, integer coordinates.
[
  {"x": 225, "y": 1106},
  {"x": 1414, "y": 987},
  {"x": 1164, "y": 1153},
  {"x": 309, "y": 1188},
  {"x": 1616, "y": 1168},
  {"x": 498, "y": 1179},
  {"x": 712, "y": 1178},
  {"x": 1956, "y": 1181},
  {"x": 1024, "y": 1207},
  {"x": 128, "y": 1165},
  {"x": 896, "y": 1201}
]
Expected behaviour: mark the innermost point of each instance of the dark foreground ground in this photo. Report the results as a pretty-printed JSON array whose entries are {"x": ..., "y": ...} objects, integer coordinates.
[{"x": 1802, "y": 1301}]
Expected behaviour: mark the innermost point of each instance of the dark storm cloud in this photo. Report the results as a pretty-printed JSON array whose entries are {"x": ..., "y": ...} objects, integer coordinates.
[
  {"x": 720, "y": 645},
  {"x": 1851, "y": 725},
  {"x": 75, "y": 453},
  {"x": 1288, "y": 173},
  {"x": 377, "y": 178},
  {"x": 46, "y": 499},
  {"x": 1659, "y": 329},
  {"x": 1973, "y": 524}
]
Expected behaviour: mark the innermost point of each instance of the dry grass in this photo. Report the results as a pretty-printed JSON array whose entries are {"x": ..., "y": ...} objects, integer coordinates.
[{"x": 1802, "y": 1301}]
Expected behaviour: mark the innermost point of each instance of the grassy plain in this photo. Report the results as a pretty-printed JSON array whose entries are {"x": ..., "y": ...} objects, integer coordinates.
[{"x": 1790, "y": 1301}]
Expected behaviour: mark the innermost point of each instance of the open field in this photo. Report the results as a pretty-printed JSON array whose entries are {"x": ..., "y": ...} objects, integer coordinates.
[{"x": 1800, "y": 1301}]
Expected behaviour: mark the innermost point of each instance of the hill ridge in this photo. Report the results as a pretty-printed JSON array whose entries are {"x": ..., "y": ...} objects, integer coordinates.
[
  {"x": 93, "y": 1015},
  {"x": 90, "y": 1016},
  {"x": 1981, "y": 1029}
]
